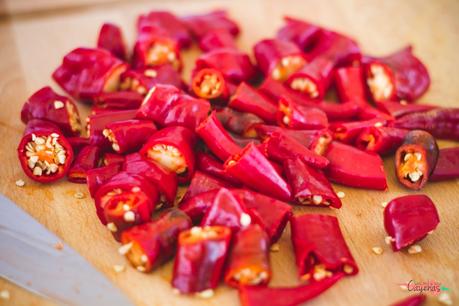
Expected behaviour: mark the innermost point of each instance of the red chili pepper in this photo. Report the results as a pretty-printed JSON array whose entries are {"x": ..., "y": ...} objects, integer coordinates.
[
  {"x": 352, "y": 167},
  {"x": 244, "y": 141},
  {"x": 217, "y": 39},
  {"x": 128, "y": 135},
  {"x": 39, "y": 125},
  {"x": 248, "y": 262},
  {"x": 210, "y": 165},
  {"x": 119, "y": 100},
  {"x": 200, "y": 25},
  {"x": 295, "y": 116},
  {"x": 447, "y": 167},
  {"x": 442, "y": 123},
  {"x": 281, "y": 147},
  {"x": 88, "y": 158},
  {"x": 396, "y": 109},
  {"x": 164, "y": 180},
  {"x": 209, "y": 83},
  {"x": 153, "y": 243},
  {"x": 202, "y": 182},
  {"x": 99, "y": 176},
  {"x": 278, "y": 58},
  {"x": 200, "y": 258},
  {"x": 415, "y": 159},
  {"x": 285, "y": 296},
  {"x": 254, "y": 170},
  {"x": 76, "y": 142},
  {"x": 347, "y": 131},
  {"x": 98, "y": 122},
  {"x": 112, "y": 158},
  {"x": 172, "y": 148},
  {"x": 350, "y": 85},
  {"x": 380, "y": 80},
  {"x": 309, "y": 186},
  {"x": 217, "y": 138},
  {"x": 158, "y": 100},
  {"x": 47, "y": 105},
  {"x": 381, "y": 140},
  {"x": 409, "y": 219},
  {"x": 248, "y": 99},
  {"x": 414, "y": 300},
  {"x": 302, "y": 33},
  {"x": 86, "y": 73},
  {"x": 320, "y": 248},
  {"x": 237, "y": 122},
  {"x": 44, "y": 153},
  {"x": 369, "y": 112},
  {"x": 111, "y": 39}
]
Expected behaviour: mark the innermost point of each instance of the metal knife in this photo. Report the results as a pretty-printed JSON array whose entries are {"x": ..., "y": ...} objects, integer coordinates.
[{"x": 29, "y": 259}]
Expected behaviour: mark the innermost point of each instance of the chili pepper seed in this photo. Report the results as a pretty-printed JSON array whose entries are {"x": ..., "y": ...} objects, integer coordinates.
[
  {"x": 78, "y": 195},
  {"x": 377, "y": 250},
  {"x": 20, "y": 183},
  {"x": 119, "y": 268},
  {"x": 208, "y": 293},
  {"x": 340, "y": 194},
  {"x": 414, "y": 249},
  {"x": 275, "y": 247},
  {"x": 5, "y": 294}
]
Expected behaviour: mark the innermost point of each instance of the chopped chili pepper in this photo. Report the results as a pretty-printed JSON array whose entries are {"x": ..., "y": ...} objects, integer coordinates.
[
  {"x": 209, "y": 83},
  {"x": 39, "y": 125},
  {"x": 243, "y": 141},
  {"x": 153, "y": 243},
  {"x": 112, "y": 158},
  {"x": 237, "y": 122},
  {"x": 119, "y": 100},
  {"x": 47, "y": 105},
  {"x": 248, "y": 262},
  {"x": 217, "y": 39},
  {"x": 380, "y": 80},
  {"x": 86, "y": 73},
  {"x": 414, "y": 300},
  {"x": 409, "y": 219},
  {"x": 253, "y": 169},
  {"x": 302, "y": 33},
  {"x": 210, "y": 165},
  {"x": 195, "y": 207},
  {"x": 172, "y": 148},
  {"x": 88, "y": 158},
  {"x": 396, "y": 109},
  {"x": 347, "y": 131},
  {"x": 353, "y": 167},
  {"x": 217, "y": 138},
  {"x": 447, "y": 167},
  {"x": 248, "y": 99},
  {"x": 369, "y": 112},
  {"x": 350, "y": 85},
  {"x": 442, "y": 122},
  {"x": 76, "y": 142},
  {"x": 99, "y": 176},
  {"x": 295, "y": 116},
  {"x": 128, "y": 135},
  {"x": 202, "y": 182},
  {"x": 415, "y": 159},
  {"x": 320, "y": 248},
  {"x": 98, "y": 122},
  {"x": 200, "y": 25},
  {"x": 164, "y": 180},
  {"x": 309, "y": 186},
  {"x": 278, "y": 58},
  {"x": 381, "y": 140},
  {"x": 111, "y": 39},
  {"x": 201, "y": 255}
]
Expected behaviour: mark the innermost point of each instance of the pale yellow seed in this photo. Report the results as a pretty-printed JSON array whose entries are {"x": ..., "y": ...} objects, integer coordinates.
[
  {"x": 414, "y": 249},
  {"x": 340, "y": 194},
  {"x": 20, "y": 183},
  {"x": 377, "y": 250},
  {"x": 79, "y": 195},
  {"x": 119, "y": 268},
  {"x": 5, "y": 294}
]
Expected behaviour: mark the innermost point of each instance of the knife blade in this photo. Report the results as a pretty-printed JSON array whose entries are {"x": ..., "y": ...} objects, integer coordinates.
[{"x": 29, "y": 259}]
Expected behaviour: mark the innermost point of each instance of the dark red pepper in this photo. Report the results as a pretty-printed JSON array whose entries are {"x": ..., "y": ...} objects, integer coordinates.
[
  {"x": 302, "y": 33},
  {"x": 239, "y": 123},
  {"x": 217, "y": 39},
  {"x": 47, "y": 105},
  {"x": 347, "y": 131},
  {"x": 200, "y": 259},
  {"x": 447, "y": 167},
  {"x": 295, "y": 116},
  {"x": 128, "y": 135},
  {"x": 248, "y": 99},
  {"x": 409, "y": 219},
  {"x": 396, "y": 109},
  {"x": 111, "y": 39},
  {"x": 119, "y": 100},
  {"x": 76, "y": 142},
  {"x": 99, "y": 176},
  {"x": 414, "y": 300},
  {"x": 200, "y": 25},
  {"x": 153, "y": 243},
  {"x": 209, "y": 83},
  {"x": 202, "y": 182},
  {"x": 381, "y": 140},
  {"x": 350, "y": 85},
  {"x": 210, "y": 165},
  {"x": 88, "y": 158},
  {"x": 112, "y": 158},
  {"x": 415, "y": 159}
]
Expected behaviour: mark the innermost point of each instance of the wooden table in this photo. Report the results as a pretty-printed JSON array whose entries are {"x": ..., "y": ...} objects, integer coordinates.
[{"x": 34, "y": 39}]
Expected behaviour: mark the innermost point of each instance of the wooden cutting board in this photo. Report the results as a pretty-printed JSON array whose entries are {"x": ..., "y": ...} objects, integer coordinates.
[{"x": 33, "y": 45}]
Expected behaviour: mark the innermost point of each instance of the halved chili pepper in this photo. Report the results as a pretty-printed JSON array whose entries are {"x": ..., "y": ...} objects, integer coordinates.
[
  {"x": 309, "y": 185},
  {"x": 442, "y": 122},
  {"x": 172, "y": 148},
  {"x": 254, "y": 170},
  {"x": 47, "y": 105},
  {"x": 158, "y": 101},
  {"x": 414, "y": 300},
  {"x": 86, "y": 73},
  {"x": 77, "y": 142},
  {"x": 396, "y": 109},
  {"x": 119, "y": 100},
  {"x": 112, "y": 158},
  {"x": 415, "y": 159},
  {"x": 447, "y": 167},
  {"x": 217, "y": 138},
  {"x": 201, "y": 256},
  {"x": 210, "y": 165},
  {"x": 280, "y": 147},
  {"x": 278, "y": 58},
  {"x": 248, "y": 262},
  {"x": 295, "y": 116},
  {"x": 350, "y": 85},
  {"x": 97, "y": 123},
  {"x": 153, "y": 243},
  {"x": 209, "y": 83},
  {"x": 353, "y": 167},
  {"x": 128, "y": 135},
  {"x": 240, "y": 123},
  {"x": 202, "y": 182},
  {"x": 200, "y": 25},
  {"x": 381, "y": 140},
  {"x": 248, "y": 99},
  {"x": 44, "y": 153},
  {"x": 285, "y": 296},
  {"x": 217, "y": 39},
  {"x": 88, "y": 158},
  {"x": 164, "y": 180},
  {"x": 409, "y": 219},
  {"x": 302, "y": 33},
  {"x": 380, "y": 80},
  {"x": 98, "y": 176},
  {"x": 320, "y": 248},
  {"x": 111, "y": 39},
  {"x": 347, "y": 131}
]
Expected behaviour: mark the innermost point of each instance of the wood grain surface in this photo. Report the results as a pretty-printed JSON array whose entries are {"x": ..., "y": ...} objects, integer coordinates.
[{"x": 32, "y": 45}]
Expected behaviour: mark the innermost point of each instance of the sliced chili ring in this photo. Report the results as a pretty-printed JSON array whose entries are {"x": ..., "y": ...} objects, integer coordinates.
[{"x": 209, "y": 83}]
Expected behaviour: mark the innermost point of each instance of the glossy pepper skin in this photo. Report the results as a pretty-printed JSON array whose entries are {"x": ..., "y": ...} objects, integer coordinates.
[
  {"x": 217, "y": 138},
  {"x": 98, "y": 176},
  {"x": 201, "y": 25},
  {"x": 442, "y": 123},
  {"x": 128, "y": 135},
  {"x": 112, "y": 158},
  {"x": 414, "y": 300},
  {"x": 200, "y": 258},
  {"x": 47, "y": 105},
  {"x": 97, "y": 123},
  {"x": 285, "y": 296},
  {"x": 253, "y": 169},
  {"x": 352, "y": 167},
  {"x": 237, "y": 122},
  {"x": 77, "y": 142},
  {"x": 381, "y": 140},
  {"x": 88, "y": 158},
  {"x": 309, "y": 185},
  {"x": 415, "y": 159},
  {"x": 111, "y": 39},
  {"x": 302, "y": 33},
  {"x": 250, "y": 252},
  {"x": 164, "y": 180},
  {"x": 248, "y": 99},
  {"x": 396, "y": 109},
  {"x": 295, "y": 116},
  {"x": 447, "y": 167},
  {"x": 172, "y": 148},
  {"x": 202, "y": 182},
  {"x": 209, "y": 83},
  {"x": 347, "y": 131},
  {"x": 350, "y": 85},
  {"x": 156, "y": 240},
  {"x": 86, "y": 73},
  {"x": 320, "y": 248},
  {"x": 210, "y": 165},
  {"x": 217, "y": 39},
  {"x": 408, "y": 219},
  {"x": 119, "y": 100}
]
